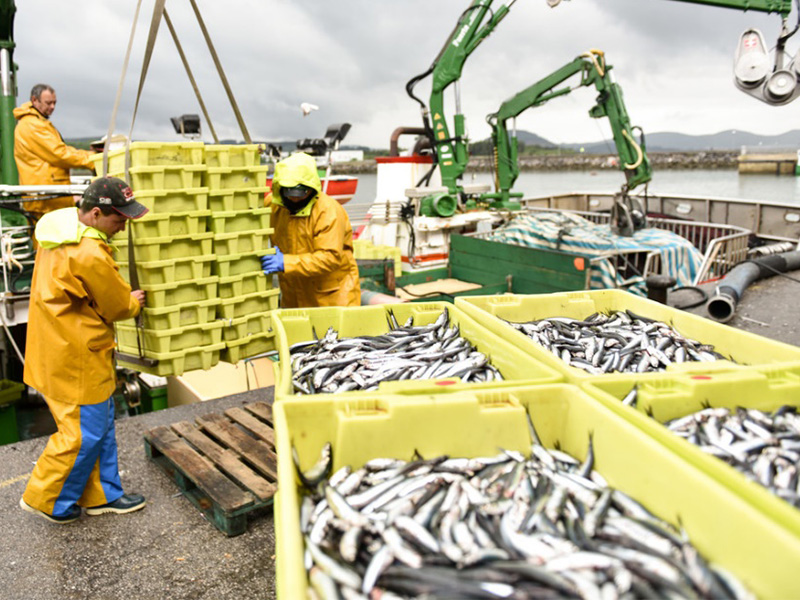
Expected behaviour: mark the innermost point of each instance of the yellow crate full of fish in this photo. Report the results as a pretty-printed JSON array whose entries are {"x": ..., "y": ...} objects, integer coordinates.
[
  {"x": 648, "y": 482},
  {"x": 173, "y": 201},
  {"x": 162, "y": 341},
  {"x": 234, "y": 178},
  {"x": 152, "y": 154},
  {"x": 364, "y": 249},
  {"x": 233, "y": 155},
  {"x": 165, "y": 248},
  {"x": 178, "y": 362},
  {"x": 726, "y": 424},
  {"x": 248, "y": 304},
  {"x": 249, "y": 198},
  {"x": 399, "y": 348},
  {"x": 593, "y": 333},
  {"x": 172, "y": 270},
  {"x": 169, "y": 224}
]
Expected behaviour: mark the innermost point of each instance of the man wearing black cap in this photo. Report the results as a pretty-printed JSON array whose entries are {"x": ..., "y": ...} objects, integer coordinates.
[{"x": 76, "y": 295}]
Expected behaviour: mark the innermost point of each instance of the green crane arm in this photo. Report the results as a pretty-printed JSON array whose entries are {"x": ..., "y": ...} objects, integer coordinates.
[
  {"x": 783, "y": 7},
  {"x": 593, "y": 72},
  {"x": 473, "y": 26}
]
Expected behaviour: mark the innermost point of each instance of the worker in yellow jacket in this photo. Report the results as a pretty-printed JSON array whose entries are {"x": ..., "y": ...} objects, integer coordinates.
[
  {"x": 41, "y": 155},
  {"x": 313, "y": 240},
  {"x": 76, "y": 295}
]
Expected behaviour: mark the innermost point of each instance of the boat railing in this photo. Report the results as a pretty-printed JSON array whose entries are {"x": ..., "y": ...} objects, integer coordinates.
[
  {"x": 722, "y": 246},
  {"x": 773, "y": 221}
]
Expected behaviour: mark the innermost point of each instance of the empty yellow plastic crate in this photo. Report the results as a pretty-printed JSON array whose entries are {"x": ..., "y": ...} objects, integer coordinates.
[
  {"x": 165, "y": 248},
  {"x": 176, "y": 363},
  {"x": 173, "y": 201},
  {"x": 169, "y": 224},
  {"x": 239, "y": 220},
  {"x": 169, "y": 271},
  {"x": 233, "y": 155},
  {"x": 164, "y": 178},
  {"x": 170, "y": 294},
  {"x": 364, "y": 249},
  {"x": 246, "y": 283},
  {"x": 298, "y": 325},
  {"x": 249, "y": 304},
  {"x": 10, "y": 391},
  {"x": 241, "y": 243},
  {"x": 237, "y": 199},
  {"x": 227, "y": 178},
  {"x": 169, "y": 340},
  {"x": 248, "y": 325},
  {"x": 143, "y": 154},
  {"x": 672, "y": 396},
  {"x": 228, "y": 265},
  {"x": 742, "y": 347},
  {"x": 724, "y": 527},
  {"x": 178, "y": 315},
  {"x": 246, "y": 347}
]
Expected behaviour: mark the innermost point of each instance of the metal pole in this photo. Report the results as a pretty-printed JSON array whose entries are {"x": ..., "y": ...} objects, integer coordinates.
[{"x": 8, "y": 100}]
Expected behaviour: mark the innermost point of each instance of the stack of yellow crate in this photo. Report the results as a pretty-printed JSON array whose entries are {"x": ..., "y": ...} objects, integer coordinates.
[
  {"x": 239, "y": 223},
  {"x": 174, "y": 256}
]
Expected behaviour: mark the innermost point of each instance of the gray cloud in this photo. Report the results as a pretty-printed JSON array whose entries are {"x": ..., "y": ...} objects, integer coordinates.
[{"x": 354, "y": 57}]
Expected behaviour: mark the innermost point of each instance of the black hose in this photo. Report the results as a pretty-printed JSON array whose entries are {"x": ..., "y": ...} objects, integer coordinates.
[{"x": 731, "y": 288}]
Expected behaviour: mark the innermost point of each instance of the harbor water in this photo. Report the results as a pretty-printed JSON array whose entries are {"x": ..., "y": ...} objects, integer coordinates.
[{"x": 689, "y": 182}]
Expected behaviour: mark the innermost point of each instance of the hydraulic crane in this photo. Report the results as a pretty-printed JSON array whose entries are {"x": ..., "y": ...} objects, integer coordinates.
[
  {"x": 770, "y": 81},
  {"x": 593, "y": 71}
]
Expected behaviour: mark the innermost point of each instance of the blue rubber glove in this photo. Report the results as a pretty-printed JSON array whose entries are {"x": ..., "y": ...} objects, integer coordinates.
[{"x": 272, "y": 263}]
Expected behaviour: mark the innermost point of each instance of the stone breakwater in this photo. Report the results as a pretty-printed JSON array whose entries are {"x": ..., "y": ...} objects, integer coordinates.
[{"x": 582, "y": 162}]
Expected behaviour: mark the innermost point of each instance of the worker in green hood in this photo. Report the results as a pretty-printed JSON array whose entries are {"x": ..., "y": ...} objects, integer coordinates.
[{"x": 313, "y": 240}]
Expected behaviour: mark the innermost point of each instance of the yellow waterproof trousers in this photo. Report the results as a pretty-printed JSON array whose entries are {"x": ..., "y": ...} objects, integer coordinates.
[{"x": 79, "y": 463}]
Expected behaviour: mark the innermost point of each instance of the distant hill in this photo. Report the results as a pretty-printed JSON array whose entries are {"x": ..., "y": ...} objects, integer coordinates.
[{"x": 732, "y": 139}]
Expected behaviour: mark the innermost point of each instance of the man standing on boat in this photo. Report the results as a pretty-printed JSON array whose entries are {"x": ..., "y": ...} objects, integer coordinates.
[
  {"x": 41, "y": 155},
  {"x": 76, "y": 295},
  {"x": 313, "y": 240}
]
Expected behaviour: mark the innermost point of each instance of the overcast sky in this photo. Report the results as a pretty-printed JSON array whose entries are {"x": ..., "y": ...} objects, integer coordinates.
[{"x": 353, "y": 58}]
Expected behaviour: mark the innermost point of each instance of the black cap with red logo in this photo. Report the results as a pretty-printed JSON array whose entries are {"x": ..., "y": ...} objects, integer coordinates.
[{"x": 117, "y": 194}]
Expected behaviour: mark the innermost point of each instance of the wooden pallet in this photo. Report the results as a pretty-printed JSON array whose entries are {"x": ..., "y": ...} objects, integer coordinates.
[{"x": 225, "y": 464}]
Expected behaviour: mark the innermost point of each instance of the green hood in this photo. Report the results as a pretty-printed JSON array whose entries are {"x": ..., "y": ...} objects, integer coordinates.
[
  {"x": 297, "y": 169},
  {"x": 63, "y": 227}
]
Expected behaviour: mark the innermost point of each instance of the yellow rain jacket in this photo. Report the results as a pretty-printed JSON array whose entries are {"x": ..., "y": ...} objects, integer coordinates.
[
  {"x": 76, "y": 295},
  {"x": 43, "y": 158},
  {"x": 317, "y": 242}
]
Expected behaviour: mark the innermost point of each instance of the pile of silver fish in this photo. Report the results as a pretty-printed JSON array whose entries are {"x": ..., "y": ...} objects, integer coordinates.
[
  {"x": 436, "y": 351},
  {"x": 620, "y": 341},
  {"x": 764, "y": 446},
  {"x": 509, "y": 526}
]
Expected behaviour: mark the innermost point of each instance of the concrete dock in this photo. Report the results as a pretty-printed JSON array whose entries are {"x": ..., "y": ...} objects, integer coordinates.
[{"x": 168, "y": 551}]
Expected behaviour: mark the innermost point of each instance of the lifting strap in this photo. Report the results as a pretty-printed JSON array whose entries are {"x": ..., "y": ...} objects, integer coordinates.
[
  {"x": 228, "y": 91},
  {"x": 196, "y": 89},
  {"x": 159, "y": 12}
]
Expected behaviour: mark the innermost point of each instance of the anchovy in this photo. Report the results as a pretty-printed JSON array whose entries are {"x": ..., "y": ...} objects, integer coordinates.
[
  {"x": 435, "y": 351},
  {"x": 763, "y": 446},
  {"x": 620, "y": 341},
  {"x": 545, "y": 525}
]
